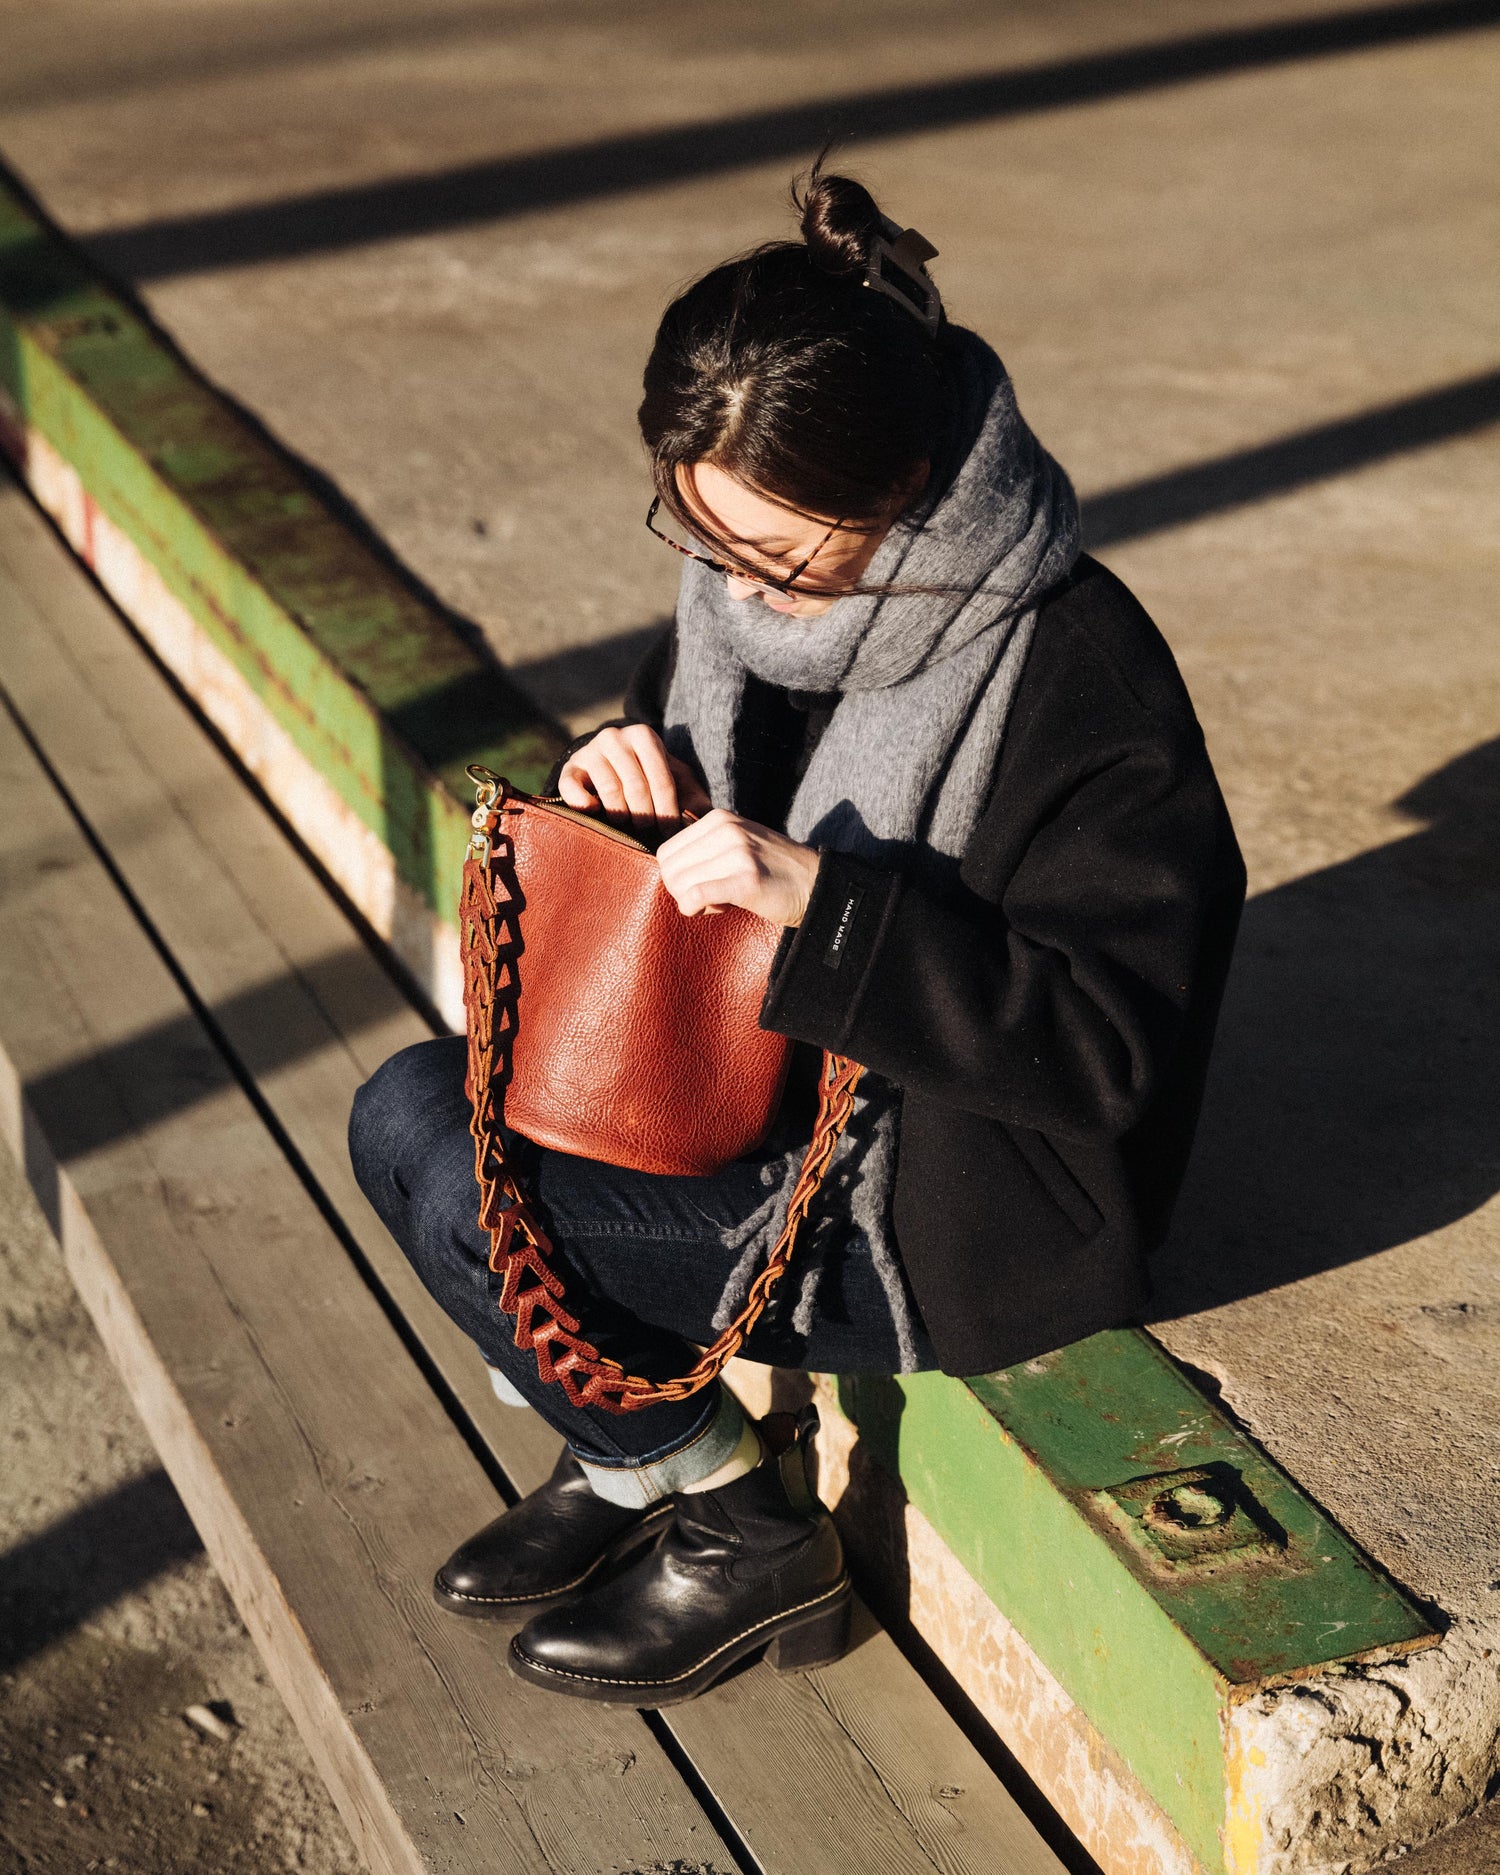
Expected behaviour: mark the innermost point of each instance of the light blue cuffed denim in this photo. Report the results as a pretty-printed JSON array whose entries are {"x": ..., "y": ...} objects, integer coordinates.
[{"x": 642, "y": 1481}]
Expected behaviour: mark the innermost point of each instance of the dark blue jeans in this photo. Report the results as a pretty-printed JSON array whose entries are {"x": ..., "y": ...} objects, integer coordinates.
[{"x": 641, "y": 1255}]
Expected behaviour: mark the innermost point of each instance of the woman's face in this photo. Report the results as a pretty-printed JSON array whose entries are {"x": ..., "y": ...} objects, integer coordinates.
[{"x": 765, "y": 534}]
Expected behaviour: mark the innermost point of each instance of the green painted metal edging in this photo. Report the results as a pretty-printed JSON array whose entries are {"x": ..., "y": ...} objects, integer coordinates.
[
  {"x": 1025, "y": 1474},
  {"x": 375, "y": 686},
  {"x": 1015, "y": 1472}
]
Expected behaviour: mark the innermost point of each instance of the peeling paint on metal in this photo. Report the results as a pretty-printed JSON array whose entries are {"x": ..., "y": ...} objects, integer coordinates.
[
  {"x": 383, "y": 694},
  {"x": 1243, "y": 1836}
]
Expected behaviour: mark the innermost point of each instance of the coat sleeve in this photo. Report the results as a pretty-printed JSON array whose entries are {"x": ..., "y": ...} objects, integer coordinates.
[{"x": 1050, "y": 992}]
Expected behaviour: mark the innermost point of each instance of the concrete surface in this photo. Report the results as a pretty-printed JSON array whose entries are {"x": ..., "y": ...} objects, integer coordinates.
[
  {"x": 113, "y": 1623},
  {"x": 473, "y": 388},
  {"x": 1253, "y": 313}
]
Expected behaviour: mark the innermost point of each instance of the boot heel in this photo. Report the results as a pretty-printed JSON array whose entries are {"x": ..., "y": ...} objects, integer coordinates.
[{"x": 817, "y": 1641}]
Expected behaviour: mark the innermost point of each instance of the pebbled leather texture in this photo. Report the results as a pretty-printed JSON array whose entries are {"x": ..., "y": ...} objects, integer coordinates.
[
  {"x": 739, "y": 1569},
  {"x": 491, "y": 904},
  {"x": 556, "y": 1540},
  {"x": 637, "y": 1037}
]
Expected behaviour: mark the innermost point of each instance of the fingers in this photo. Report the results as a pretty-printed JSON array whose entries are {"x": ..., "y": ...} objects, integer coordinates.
[
  {"x": 655, "y": 770},
  {"x": 627, "y": 772},
  {"x": 719, "y": 879},
  {"x": 623, "y": 784},
  {"x": 716, "y": 827},
  {"x": 723, "y": 860},
  {"x": 707, "y": 850},
  {"x": 574, "y": 786},
  {"x": 719, "y": 838}
]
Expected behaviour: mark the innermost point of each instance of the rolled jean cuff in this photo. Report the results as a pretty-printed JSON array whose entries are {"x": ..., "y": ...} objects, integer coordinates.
[{"x": 638, "y": 1483}]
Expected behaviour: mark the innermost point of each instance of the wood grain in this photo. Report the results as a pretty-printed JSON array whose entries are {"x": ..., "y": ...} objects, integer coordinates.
[
  {"x": 309, "y": 1450},
  {"x": 846, "y": 1766}
]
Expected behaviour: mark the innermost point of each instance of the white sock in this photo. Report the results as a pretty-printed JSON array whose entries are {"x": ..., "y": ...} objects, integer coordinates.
[
  {"x": 504, "y": 1390},
  {"x": 744, "y": 1458}
]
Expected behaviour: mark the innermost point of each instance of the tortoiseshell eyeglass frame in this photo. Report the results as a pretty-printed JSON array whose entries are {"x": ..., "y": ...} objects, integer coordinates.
[{"x": 786, "y": 584}]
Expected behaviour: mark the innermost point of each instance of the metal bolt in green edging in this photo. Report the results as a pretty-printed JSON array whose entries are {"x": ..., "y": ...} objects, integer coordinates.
[
  {"x": 1039, "y": 1479},
  {"x": 1153, "y": 1607},
  {"x": 375, "y": 686}
]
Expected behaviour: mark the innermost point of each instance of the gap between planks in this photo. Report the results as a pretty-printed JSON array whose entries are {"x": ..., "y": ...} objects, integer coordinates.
[
  {"x": 880, "y": 1772},
  {"x": 306, "y": 1445}
]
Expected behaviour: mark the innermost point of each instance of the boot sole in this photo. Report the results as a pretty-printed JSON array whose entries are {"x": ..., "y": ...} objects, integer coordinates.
[
  {"x": 501, "y": 1607},
  {"x": 814, "y": 1634}
]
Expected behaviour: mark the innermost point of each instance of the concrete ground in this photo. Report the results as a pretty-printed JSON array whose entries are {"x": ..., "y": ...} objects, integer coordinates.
[{"x": 1246, "y": 284}]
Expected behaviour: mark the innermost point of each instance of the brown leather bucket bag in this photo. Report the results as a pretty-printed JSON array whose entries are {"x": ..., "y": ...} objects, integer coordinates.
[{"x": 603, "y": 1023}]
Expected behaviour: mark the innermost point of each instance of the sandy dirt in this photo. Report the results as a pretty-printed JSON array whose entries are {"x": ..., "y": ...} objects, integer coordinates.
[
  {"x": 1254, "y": 316},
  {"x": 113, "y": 1623}
]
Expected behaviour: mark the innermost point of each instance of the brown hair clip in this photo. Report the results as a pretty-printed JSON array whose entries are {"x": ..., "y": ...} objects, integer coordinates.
[{"x": 898, "y": 269}]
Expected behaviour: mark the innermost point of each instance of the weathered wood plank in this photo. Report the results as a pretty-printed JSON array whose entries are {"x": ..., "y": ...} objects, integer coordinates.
[
  {"x": 307, "y": 1446},
  {"x": 945, "y": 1810},
  {"x": 305, "y": 1006},
  {"x": 241, "y": 913}
]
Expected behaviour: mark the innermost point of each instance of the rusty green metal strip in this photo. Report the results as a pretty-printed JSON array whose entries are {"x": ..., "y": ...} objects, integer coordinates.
[
  {"x": 1156, "y": 1560},
  {"x": 374, "y": 683}
]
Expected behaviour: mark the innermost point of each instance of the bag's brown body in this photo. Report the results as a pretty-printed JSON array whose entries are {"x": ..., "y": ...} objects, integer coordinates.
[
  {"x": 517, "y": 837},
  {"x": 636, "y": 1040}
]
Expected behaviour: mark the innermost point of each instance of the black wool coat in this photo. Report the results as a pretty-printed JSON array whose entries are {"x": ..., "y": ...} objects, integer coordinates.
[{"x": 1048, "y": 1021}]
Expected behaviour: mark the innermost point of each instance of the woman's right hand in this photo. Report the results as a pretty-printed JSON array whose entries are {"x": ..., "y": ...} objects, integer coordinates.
[{"x": 628, "y": 774}]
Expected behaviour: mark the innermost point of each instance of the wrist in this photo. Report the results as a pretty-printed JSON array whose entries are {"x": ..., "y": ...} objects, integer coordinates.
[{"x": 809, "y": 859}]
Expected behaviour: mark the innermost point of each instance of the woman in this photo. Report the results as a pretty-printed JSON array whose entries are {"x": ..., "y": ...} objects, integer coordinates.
[{"x": 954, "y": 759}]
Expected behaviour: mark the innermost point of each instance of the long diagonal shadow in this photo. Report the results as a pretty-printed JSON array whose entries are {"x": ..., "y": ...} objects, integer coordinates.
[
  {"x": 284, "y": 42},
  {"x": 577, "y": 678},
  {"x": 580, "y": 676},
  {"x": 89, "y": 1103},
  {"x": 1290, "y": 462},
  {"x": 53, "y": 1582},
  {"x": 331, "y": 220}
]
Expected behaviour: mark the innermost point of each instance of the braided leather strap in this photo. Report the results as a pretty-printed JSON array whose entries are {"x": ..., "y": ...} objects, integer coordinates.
[{"x": 521, "y": 1253}]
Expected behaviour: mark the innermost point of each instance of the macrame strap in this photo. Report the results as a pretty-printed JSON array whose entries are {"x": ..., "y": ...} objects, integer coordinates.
[{"x": 521, "y": 1253}]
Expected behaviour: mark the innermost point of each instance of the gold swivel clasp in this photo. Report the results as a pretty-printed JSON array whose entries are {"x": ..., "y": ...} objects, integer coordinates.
[{"x": 488, "y": 788}]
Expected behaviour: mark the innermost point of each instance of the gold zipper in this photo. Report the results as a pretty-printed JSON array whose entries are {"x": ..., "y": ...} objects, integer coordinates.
[
  {"x": 490, "y": 785},
  {"x": 555, "y": 804}
]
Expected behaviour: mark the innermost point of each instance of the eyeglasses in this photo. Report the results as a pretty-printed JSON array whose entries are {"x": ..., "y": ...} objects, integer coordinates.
[{"x": 778, "y": 582}]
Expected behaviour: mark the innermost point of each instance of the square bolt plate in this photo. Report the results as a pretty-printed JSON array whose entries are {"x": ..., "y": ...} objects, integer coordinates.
[{"x": 1197, "y": 1521}]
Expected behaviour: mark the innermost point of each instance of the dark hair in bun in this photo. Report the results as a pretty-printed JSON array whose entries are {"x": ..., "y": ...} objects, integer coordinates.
[
  {"x": 783, "y": 369},
  {"x": 839, "y": 221}
]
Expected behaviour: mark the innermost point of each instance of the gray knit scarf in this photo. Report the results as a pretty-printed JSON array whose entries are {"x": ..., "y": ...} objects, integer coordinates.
[{"x": 901, "y": 774}]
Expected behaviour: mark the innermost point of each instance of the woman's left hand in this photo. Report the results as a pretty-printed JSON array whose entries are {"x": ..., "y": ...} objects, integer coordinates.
[{"x": 726, "y": 860}]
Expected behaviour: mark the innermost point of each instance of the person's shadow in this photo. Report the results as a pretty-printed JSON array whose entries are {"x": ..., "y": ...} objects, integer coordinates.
[
  {"x": 1353, "y": 1104},
  {"x": 1353, "y": 1100}
]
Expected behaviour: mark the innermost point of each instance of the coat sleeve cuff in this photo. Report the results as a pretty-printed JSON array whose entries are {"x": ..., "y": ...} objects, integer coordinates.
[{"x": 820, "y": 973}]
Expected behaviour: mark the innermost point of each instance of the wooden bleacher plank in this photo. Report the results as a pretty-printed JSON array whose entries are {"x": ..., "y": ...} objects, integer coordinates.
[
  {"x": 301, "y": 1001},
  {"x": 306, "y": 1444},
  {"x": 263, "y": 942},
  {"x": 944, "y": 1809}
]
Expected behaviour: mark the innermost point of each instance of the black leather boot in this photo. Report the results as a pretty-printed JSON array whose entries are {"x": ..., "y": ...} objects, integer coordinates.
[
  {"x": 754, "y": 1565},
  {"x": 552, "y": 1543}
]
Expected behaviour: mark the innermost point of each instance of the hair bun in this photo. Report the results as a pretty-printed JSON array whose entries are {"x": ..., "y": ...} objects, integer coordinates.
[{"x": 840, "y": 221}]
